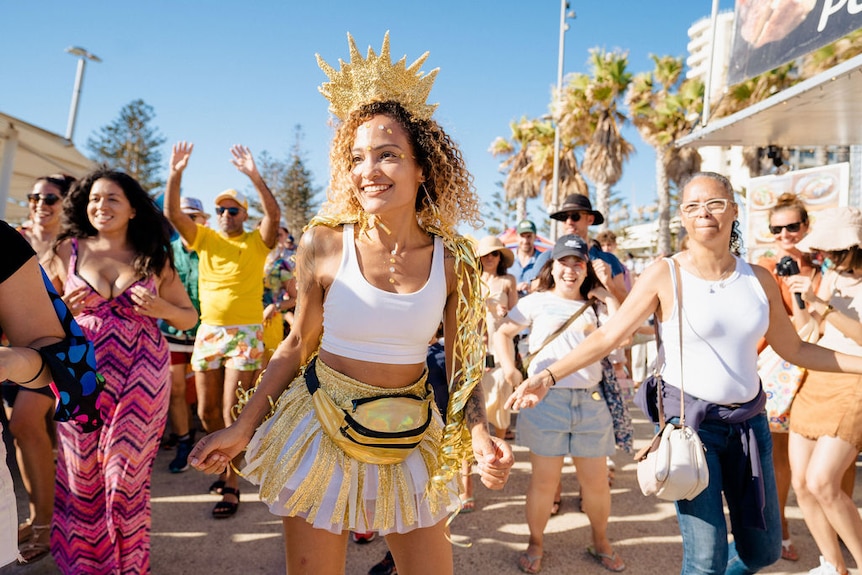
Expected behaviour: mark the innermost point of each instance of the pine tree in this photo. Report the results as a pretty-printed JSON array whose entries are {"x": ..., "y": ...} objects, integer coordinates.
[
  {"x": 131, "y": 144},
  {"x": 499, "y": 212}
]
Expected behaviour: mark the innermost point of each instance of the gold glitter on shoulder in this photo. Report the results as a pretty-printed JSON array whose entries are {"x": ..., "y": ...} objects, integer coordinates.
[{"x": 375, "y": 79}]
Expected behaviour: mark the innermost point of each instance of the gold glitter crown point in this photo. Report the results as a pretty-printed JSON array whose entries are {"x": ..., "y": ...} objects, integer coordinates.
[{"x": 376, "y": 79}]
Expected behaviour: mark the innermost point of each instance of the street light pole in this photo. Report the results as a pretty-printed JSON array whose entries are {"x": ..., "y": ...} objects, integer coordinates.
[
  {"x": 83, "y": 56},
  {"x": 555, "y": 185}
]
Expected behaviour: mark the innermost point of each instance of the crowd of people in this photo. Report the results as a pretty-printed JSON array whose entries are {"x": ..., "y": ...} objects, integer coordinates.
[{"x": 361, "y": 378}]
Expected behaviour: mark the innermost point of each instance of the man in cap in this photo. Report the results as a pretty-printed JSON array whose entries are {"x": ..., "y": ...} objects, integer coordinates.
[
  {"x": 577, "y": 215},
  {"x": 182, "y": 343},
  {"x": 527, "y": 257},
  {"x": 229, "y": 344}
]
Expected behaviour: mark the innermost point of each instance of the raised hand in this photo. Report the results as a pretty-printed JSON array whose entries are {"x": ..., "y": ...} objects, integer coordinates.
[
  {"x": 180, "y": 153},
  {"x": 243, "y": 160}
]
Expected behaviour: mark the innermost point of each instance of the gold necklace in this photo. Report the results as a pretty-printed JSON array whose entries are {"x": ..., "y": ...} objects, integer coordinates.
[{"x": 719, "y": 282}]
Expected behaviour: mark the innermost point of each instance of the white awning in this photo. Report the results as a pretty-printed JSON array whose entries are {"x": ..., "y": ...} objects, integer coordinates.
[
  {"x": 825, "y": 110},
  {"x": 28, "y": 152}
]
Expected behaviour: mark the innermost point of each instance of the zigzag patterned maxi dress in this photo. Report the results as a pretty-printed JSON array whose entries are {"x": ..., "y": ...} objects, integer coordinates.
[{"x": 102, "y": 505}]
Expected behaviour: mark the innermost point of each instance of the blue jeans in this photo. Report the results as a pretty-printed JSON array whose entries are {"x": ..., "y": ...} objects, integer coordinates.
[{"x": 702, "y": 522}]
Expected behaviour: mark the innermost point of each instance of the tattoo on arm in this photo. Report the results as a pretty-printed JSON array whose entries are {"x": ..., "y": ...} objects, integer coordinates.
[{"x": 474, "y": 410}]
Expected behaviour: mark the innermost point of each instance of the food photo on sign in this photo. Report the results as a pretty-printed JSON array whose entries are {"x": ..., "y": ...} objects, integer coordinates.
[{"x": 819, "y": 188}]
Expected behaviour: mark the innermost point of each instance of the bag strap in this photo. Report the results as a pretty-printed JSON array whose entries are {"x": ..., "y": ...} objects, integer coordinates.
[
  {"x": 678, "y": 278},
  {"x": 531, "y": 356}
]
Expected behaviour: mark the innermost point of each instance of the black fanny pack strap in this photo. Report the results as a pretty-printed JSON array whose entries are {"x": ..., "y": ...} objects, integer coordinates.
[{"x": 311, "y": 380}]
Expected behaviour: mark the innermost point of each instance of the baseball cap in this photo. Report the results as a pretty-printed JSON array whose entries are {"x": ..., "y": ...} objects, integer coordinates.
[
  {"x": 526, "y": 226},
  {"x": 192, "y": 206},
  {"x": 234, "y": 195},
  {"x": 571, "y": 245}
]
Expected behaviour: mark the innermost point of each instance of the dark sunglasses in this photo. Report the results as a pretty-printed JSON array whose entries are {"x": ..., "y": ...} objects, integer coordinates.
[
  {"x": 48, "y": 200},
  {"x": 574, "y": 216},
  {"x": 792, "y": 228},
  {"x": 232, "y": 211}
]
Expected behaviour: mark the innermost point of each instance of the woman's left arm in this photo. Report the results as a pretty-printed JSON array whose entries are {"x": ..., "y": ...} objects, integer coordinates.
[
  {"x": 784, "y": 339},
  {"x": 494, "y": 457},
  {"x": 29, "y": 321},
  {"x": 170, "y": 302}
]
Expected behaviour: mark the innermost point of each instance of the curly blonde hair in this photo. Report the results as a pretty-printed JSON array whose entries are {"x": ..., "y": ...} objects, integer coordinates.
[{"x": 448, "y": 198}]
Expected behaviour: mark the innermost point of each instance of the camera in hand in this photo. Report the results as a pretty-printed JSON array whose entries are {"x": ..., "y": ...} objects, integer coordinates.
[{"x": 787, "y": 266}]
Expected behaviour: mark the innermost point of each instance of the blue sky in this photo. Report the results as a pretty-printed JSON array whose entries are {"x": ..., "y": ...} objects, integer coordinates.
[{"x": 219, "y": 73}]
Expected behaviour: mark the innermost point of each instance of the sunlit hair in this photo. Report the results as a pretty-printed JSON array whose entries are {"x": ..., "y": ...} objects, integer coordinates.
[
  {"x": 149, "y": 232},
  {"x": 547, "y": 283},
  {"x": 447, "y": 182},
  {"x": 62, "y": 182},
  {"x": 736, "y": 244},
  {"x": 849, "y": 259},
  {"x": 788, "y": 201},
  {"x": 606, "y": 237}
]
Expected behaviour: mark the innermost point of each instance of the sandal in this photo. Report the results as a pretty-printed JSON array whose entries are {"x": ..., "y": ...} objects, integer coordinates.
[
  {"x": 468, "y": 505},
  {"x": 34, "y": 549},
  {"x": 216, "y": 487},
  {"x": 224, "y": 509},
  {"x": 529, "y": 563},
  {"x": 612, "y": 562},
  {"x": 25, "y": 532},
  {"x": 788, "y": 551},
  {"x": 555, "y": 507}
]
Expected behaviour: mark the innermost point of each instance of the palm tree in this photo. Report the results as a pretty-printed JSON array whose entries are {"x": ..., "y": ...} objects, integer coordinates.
[
  {"x": 522, "y": 180},
  {"x": 663, "y": 109},
  {"x": 594, "y": 100}
]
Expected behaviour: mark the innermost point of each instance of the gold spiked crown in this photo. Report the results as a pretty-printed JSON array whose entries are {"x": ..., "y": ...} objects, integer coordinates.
[{"x": 375, "y": 79}]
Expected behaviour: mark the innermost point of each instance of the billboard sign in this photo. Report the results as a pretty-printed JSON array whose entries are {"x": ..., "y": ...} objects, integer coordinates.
[{"x": 768, "y": 34}]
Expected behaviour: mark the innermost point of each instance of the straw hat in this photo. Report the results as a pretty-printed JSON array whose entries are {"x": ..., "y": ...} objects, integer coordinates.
[
  {"x": 490, "y": 244},
  {"x": 833, "y": 230}
]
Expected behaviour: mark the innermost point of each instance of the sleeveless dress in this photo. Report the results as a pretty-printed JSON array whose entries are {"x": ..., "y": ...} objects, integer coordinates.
[{"x": 102, "y": 503}]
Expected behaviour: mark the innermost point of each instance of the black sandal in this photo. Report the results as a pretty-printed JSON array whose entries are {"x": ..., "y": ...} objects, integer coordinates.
[
  {"x": 216, "y": 487},
  {"x": 225, "y": 509}
]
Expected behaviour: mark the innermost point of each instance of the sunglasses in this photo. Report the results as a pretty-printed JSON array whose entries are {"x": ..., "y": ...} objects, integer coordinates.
[
  {"x": 48, "y": 200},
  {"x": 232, "y": 211},
  {"x": 792, "y": 228},
  {"x": 574, "y": 216}
]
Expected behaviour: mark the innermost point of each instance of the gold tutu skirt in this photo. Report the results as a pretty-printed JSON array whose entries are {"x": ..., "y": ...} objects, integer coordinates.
[{"x": 302, "y": 473}]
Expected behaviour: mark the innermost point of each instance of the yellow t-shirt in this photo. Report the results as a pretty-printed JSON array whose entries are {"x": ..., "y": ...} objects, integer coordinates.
[{"x": 230, "y": 277}]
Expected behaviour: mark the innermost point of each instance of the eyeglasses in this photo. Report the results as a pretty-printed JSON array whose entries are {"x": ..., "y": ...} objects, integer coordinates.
[
  {"x": 48, "y": 200},
  {"x": 232, "y": 211},
  {"x": 792, "y": 228},
  {"x": 574, "y": 216},
  {"x": 715, "y": 206}
]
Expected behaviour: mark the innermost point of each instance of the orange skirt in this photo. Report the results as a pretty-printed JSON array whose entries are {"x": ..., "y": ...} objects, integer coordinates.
[{"x": 829, "y": 404}]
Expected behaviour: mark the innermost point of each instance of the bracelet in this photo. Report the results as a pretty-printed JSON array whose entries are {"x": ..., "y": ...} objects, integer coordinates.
[
  {"x": 38, "y": 373},
  {"x": 553, "y": 379},
  {"x": 829, "y": 309}
]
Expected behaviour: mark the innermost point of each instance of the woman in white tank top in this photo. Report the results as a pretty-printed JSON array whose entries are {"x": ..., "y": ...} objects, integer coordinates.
[
  {"x": 727, "y": 305},
  {"x": 398, "y": 182}
]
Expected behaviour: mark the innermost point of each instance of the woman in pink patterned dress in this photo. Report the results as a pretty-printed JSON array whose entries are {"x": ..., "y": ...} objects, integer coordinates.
[{"x": 114, "y": 253}]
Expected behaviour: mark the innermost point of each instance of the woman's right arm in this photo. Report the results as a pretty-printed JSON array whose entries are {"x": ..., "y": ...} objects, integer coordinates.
[{"x": 213, "y": 452}]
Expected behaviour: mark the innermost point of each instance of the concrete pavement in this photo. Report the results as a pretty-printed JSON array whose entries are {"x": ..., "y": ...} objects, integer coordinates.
[{"x": 185, "y": 539}]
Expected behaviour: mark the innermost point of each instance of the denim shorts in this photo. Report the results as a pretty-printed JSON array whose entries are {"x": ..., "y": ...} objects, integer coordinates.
[{"x": 573, "y": 422}]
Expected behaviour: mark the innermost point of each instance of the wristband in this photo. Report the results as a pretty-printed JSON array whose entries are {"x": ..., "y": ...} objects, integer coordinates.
[{"x": 553, "y": 379}]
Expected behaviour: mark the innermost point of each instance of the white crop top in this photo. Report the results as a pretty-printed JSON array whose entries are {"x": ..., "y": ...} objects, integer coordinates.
[
  {"x": 722, "y": 323},
  {"x": 366, "y": 323}
]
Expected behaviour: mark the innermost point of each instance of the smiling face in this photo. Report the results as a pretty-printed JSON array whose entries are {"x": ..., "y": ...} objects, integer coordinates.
[
  {"x": 385, "y": 174},
  {"x": 108, "y": 208},
  {"x": 580, "y": 227},
  {"x": 786, "y": 240},
  {"x": 42, "y": 214},
  {"x": 569, "y": 272}
]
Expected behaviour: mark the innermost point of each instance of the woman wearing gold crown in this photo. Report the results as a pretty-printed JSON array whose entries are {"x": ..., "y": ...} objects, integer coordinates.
[{"x": 351, "y": 443}]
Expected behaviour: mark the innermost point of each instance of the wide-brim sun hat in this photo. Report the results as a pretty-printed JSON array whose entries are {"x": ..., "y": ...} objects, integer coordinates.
[
  {"x": 833, "y": 230},
  {"x": 577, "y": 203},
  {"x": 491, "y": 244}
]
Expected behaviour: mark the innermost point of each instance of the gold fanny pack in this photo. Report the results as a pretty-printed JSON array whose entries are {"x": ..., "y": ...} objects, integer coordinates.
[{"x": 380, "y": 430}]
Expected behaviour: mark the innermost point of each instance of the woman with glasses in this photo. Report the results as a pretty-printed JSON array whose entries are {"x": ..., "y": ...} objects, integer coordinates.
[
  {"x": 727, "y": 307},
  {"x": 826, "y": 415},
  {"x": 30, "y": 422},
  {"x": 119, "y": 279}
]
